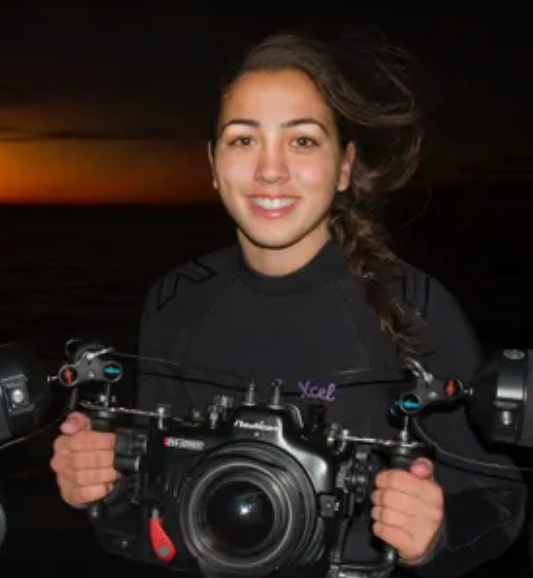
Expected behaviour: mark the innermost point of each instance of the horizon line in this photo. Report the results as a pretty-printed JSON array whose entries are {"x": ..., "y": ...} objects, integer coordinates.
[{"x": 435, "y": 189}]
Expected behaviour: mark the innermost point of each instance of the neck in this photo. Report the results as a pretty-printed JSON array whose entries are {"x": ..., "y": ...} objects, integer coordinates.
[{"x": 276, "y": 262}]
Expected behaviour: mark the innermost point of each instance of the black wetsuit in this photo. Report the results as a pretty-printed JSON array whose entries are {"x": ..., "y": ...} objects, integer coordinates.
[{"x": 312, "y": 329}]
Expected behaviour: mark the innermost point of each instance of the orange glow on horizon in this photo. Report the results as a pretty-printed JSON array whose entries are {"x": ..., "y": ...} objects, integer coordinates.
[{"x": 86, "y": 171}]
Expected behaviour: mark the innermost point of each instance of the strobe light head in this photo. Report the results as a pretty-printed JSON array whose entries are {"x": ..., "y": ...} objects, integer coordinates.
[
  {"x": 25, "y": 392},
  {"x": 500, "y": 407}
]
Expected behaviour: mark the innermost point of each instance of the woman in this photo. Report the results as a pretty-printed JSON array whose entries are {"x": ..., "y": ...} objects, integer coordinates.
[{"x": 306, "y": 139}]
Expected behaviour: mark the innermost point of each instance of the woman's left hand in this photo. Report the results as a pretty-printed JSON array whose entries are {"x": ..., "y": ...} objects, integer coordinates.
[{"x": 408, "y": 509}]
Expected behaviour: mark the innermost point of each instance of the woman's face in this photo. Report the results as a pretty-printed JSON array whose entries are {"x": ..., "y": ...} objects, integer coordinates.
[{"x": 277, "y": 162}]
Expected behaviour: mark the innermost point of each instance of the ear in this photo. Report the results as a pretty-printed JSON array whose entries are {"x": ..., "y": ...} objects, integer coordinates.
[
  {"x": 212, "y": 163},
  {"x": 346, "y": 167}
]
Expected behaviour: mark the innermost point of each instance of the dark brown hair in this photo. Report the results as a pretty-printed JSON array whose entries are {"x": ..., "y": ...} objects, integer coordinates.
[{"x": 362, "y": 80}]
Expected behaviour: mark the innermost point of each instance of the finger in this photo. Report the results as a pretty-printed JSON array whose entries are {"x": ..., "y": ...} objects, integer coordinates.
[
  {"x": 391, "y": 517},
  {"x": 81, "y": 478},
  {"x": 422, "y": 468},
  {"x": 62, "y": 444},
  {"x": 87, "y": 494},
  {"x": 84, "y": 440},
  {"x": 399, "y": 501},
  {"x": 95, "y": 477},
  {"x": 75, "y": 423},
  {"x": 425, "y": 490},
  {"x": 70, "y": 462},
  {"x": 92, "y": 441},
  {"x": 60, "y": 463},
  {"x": 92, "y": 460},
  {"x": 407, "y": 505},
  {"x": 394, "y": 536}
]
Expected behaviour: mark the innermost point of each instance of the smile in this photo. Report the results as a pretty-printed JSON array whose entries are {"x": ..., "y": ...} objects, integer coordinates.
[{"x": 273, "y": 204}]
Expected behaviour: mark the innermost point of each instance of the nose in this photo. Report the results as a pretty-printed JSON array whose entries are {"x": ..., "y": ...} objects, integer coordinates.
[{"x": 271, "y": 164}]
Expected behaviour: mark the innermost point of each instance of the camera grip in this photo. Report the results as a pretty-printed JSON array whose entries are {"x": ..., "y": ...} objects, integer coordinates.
[
  {"x": 95, "y": 509},
  {"x": 396, "y": 462},
  {"x": 401, "y": 458},
  {"x": 401, "y": 462}
]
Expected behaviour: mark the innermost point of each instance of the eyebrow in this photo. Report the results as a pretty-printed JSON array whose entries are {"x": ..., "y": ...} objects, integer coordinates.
[{"x": 289, "y": 124}]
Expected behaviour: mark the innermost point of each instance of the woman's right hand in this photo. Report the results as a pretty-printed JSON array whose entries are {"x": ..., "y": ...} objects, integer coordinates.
[{"x": 83, "y": 461}]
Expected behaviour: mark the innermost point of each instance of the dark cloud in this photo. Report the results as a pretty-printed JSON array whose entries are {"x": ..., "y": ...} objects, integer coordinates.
[
  {"x": 11, "y": 134},
  {"x": 9, "y": 97}
]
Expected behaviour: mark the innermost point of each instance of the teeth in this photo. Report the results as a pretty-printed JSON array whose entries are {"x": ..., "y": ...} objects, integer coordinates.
[{"x": 272, "y": 204}]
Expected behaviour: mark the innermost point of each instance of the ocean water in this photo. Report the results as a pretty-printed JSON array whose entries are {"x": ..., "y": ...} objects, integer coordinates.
[{"x": 84, "y": 272}]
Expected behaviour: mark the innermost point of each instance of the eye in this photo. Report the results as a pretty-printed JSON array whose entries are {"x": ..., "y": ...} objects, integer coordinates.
[
  {"x": 240, "y": 141},
  {"x": 304, "y": 142}
]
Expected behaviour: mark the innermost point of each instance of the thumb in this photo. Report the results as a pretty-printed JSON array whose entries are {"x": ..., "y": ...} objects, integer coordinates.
[
  {"x": 75, "y": 423},
  {"x": 422, "y": 468}
]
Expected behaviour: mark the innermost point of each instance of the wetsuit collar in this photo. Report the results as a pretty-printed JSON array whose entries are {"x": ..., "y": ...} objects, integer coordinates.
[{"x": 326, "y": 265}]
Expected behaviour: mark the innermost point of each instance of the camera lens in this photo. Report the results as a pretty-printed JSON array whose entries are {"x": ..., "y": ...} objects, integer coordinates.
[
  {"x": 240, "y": 516},
  {"x": 248, "y": 510}
]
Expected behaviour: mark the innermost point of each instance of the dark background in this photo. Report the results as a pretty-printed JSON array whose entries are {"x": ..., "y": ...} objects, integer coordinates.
[{"x": 150, "y": 73}]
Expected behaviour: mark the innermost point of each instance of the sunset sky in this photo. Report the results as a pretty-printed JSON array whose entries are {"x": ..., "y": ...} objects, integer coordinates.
[{"x": 111, "y": 105}]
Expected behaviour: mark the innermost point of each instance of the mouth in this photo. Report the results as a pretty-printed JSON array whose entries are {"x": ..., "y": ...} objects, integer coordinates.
[{"x": 272, "y": 207}]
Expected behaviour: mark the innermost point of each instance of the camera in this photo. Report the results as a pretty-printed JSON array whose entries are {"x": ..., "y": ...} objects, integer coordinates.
[
  {"x": 251, "y": 486},
  {"x": 245, "y": 486},
  {"x": 25, "y": 391},
  {"x": 25, "y": 397},
  {"x": 248, "y": 485},
  {"x": 238, "y": 490}
]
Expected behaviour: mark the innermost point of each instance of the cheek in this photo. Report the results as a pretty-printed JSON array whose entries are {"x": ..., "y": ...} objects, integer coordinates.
[
  {"x": 319, "y": 177},
  {"x": 234, "y": 173}
]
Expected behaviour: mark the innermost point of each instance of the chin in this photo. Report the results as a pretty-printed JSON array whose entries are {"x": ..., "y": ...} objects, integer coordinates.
[{"x": 271, "y": 242}]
